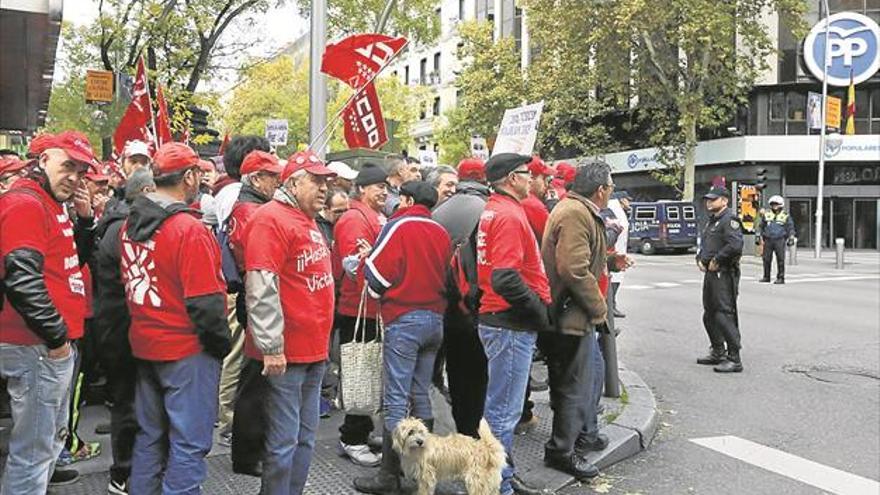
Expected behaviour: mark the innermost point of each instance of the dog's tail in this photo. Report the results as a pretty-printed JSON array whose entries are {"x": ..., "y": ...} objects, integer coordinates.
[{"x": 492, "y": 443}]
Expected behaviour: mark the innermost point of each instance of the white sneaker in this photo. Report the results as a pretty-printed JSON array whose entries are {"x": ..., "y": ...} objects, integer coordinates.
[
  {"x": 117, "y": 488},
  {"x": 361, "y": 455}
]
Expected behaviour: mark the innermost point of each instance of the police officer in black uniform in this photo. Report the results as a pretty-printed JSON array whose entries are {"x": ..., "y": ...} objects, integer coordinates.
[{"x": 720, "y": 250}]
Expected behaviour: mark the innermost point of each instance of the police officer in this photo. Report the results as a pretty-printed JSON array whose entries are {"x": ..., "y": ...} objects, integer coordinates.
[
  {"x": 720, "y": 250},
  {"x": 776, "y": 229}
]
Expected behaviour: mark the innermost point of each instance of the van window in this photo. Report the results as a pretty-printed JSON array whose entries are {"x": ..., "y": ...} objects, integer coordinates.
[
  {"x": 689, "y": 213},
  {"x": 646, "y": 213},
  {"x": 672, "y": 213}
]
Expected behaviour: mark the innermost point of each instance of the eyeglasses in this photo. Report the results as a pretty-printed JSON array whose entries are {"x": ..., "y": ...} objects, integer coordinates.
[{"x": 522, "y": 172}]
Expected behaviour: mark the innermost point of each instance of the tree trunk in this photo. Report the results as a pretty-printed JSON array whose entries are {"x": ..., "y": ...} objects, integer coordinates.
[{"x": 690, "y": 157}]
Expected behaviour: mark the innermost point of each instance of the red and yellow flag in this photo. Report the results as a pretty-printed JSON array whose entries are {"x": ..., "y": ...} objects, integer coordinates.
[{"x": 851, "y": 107}]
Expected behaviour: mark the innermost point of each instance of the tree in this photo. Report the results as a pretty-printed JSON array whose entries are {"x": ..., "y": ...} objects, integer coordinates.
[
  {"x": 490, "y": 82},
  {"x": 275, "y": 90},
  {"x": 414, "y": 19},
  {"x": 685, "y": 65}
]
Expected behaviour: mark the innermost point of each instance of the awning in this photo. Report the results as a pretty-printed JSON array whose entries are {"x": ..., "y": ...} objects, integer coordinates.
[{"x": 29, "y": 31}]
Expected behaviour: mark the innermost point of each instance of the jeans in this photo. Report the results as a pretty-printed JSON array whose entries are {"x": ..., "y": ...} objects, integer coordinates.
[
  {"x": 291, "y": 409},
  {"x": 509, "y": 355},
  {"x": 39, "y": 390},
  {"x": 176, "y": 405},
  {"x": 595, "y": 380},
  {"x": 409, "y": 350}
]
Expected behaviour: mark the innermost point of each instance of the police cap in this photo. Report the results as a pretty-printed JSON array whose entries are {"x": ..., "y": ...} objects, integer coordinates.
[{"x": 717, "y": 192}]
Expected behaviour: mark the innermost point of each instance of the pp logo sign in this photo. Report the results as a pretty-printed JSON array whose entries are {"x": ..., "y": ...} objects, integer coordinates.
[{"x": 853, "y": 45}]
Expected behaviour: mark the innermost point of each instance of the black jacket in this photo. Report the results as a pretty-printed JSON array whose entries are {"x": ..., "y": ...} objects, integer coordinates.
[
  {"x": 722, "y": 240},
  {"x": 112, "y": 318},
  {"x": 208, "y": 313}
]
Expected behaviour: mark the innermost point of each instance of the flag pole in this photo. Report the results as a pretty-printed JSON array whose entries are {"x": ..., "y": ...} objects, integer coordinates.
[
  {"x": 314, "y": 140},
  {"x": 821, "y": 178},
  {"x": 150, "y": 101}
]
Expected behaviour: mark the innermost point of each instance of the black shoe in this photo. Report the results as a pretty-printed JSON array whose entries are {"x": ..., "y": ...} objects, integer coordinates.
[
  {"x": 619, "y": 314},
  {"x": 102, "y": 429},
  {"x": 765, "y": 280},
  {"x": 64, "y": 477},
  {"x": 573, "y": 464},
  {"x": 583, "y": 445},
  {"x": 381, "y": 483},
  {"x": 779, "y": 281},
  {"x": 713, "y": 358},
  {"x": 520, "y": 487},
  {"x": 255, "y": 470},
  {"x": 729, "y": 366}
]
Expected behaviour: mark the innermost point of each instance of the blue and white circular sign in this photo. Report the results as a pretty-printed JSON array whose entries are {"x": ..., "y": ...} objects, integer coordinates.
[{"x": 854, "y": 48}]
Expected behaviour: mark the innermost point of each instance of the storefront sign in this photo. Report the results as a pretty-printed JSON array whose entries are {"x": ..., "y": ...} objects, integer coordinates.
[
  {"x": 854, "y": 48},
  {"x": 832, "y": 112},
  {"x": 99, "y": 86},
  {"x": 865, "y": 175},
  {"x": 519, "y": 129}
]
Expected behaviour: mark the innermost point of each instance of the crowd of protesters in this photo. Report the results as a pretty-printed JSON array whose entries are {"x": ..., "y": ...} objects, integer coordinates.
[{"x": 217, "y": 293}]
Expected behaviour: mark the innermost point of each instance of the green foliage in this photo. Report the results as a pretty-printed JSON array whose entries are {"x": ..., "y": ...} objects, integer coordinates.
[
  {"x": 414, "y": 19},
  {"x": 490, "y": 82}
]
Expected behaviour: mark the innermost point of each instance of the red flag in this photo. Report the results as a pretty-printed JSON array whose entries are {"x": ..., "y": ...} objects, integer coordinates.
[
  {"x": 135, "y": 123},
  {"x": 223, "y": 144},
  {"x": 163, "y": 119},
  {"x": 364, "y": 125},
  {"x": 356, "y": 59}
]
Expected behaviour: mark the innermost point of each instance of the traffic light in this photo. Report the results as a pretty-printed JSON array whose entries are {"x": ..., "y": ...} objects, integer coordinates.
[{"x": 762, "y": 179}]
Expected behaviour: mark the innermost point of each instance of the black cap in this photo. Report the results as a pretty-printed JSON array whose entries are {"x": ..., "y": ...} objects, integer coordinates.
[
  {"x": 421, "y": 192},
  {"x": 371, "y": 174},
  {"x": 717, "y": 192},
  {"x": 504, "y": 163}
]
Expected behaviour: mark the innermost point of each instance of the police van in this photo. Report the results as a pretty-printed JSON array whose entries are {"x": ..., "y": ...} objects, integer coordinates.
[{"x": 662, "y": 226}]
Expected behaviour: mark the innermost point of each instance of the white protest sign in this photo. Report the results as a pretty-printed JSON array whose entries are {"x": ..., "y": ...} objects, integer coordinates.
[
  {"x": 428, "y": 158},
  {"x": 519, "y": 129},
  {"x": 276, "y": 132},
  {"x": 479, "y": 149}
]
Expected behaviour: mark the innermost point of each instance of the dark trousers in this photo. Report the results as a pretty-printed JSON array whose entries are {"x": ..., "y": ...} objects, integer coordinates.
[
  {"x": 720, "y": 317},
  {"x": 121, "y": 380},
  {"x": 570, "y": 388},
  {"x": 466, "y": 370},
  {"x": 249, "y": 418},
  {"x": 355, "y": 430},
  {"x": 776, "y": 246}
]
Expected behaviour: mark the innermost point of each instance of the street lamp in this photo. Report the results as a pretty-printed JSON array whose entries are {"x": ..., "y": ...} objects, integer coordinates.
[{"x": 821, "y": 179}]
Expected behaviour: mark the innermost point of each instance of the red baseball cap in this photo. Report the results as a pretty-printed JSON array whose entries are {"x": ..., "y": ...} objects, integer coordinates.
[
  {"x": 10, "y": 164},
  {"x": 174, "y": 157},
  {"x": 74, "y": 143},
  {"x": 96, "y": 174},
  {"x": 565, "y": 172},
  {"x": 472, "y": 169},
  {"x": 261, "y": 161},
  {"x": 308, "y": 161},
  {"x": 538, "y": 167}
]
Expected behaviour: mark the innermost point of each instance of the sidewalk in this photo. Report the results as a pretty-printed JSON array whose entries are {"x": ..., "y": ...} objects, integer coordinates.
[{"x": 629, "y": 422}]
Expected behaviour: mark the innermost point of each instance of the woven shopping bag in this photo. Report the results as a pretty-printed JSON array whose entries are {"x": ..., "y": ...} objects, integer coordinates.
[{"x": 361, "y": 366}]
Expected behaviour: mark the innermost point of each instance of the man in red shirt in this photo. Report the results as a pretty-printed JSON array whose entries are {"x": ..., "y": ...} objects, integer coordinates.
[
  {"x": 515, "y": 296},
  {"x": 290, "y": 291},
  {"x": 355, "y": 233},
  {"x": 45, "y": 307},
  {"x": 176, "y": 298},
  {"x": 242, "y": 390},
  {"x": 536, "y": 210},
  {"x": 407, "y": 270}
]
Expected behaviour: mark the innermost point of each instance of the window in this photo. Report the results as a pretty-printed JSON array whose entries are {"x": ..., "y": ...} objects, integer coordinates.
[
  {"x": 672, "y": 213},
  {"x": 777, "y": 106},
  {"x": 422, "y": 113},
  {"x": 796, "y": 104},
  {"x": 461, "y": 9},
  {"x": 646, "y": 213},
  {"x": 406, "y": 75},
  {"x": 437, "y": 64},
  {"x": 689, "y": 213},
  {"x": 436, "y": 108},
  {"x": 423, "y": 72}
]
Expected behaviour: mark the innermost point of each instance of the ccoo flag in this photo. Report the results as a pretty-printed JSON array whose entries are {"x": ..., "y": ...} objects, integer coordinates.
[
  {"x": 364, "y": 125},
  {"x": 358, "y": 58},
  {"x": 134, "y": 125},
  {"x": 851, "y": 106},
  {"x": 163, "y": 119}
]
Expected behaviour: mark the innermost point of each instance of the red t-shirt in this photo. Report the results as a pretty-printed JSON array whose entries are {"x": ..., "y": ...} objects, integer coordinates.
[
  {"x": 409, "y": 263},
  {"x": 284, "y": 241},
  {"x": 180, "y": 261},
  {"x": 505, "y": 240},
  {"x": 537, "y": 214},
  {"x": 359, "y": 222},
  {"x": 34, "y": 220},
  {"x": 236, "y": 227}
]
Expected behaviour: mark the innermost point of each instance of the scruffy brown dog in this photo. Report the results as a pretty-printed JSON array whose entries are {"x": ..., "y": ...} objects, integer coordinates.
[{"x": 427, "y": 458}]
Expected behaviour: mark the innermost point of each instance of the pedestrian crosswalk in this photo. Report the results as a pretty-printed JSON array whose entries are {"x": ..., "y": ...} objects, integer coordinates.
[{"x": 792, "y": 278}]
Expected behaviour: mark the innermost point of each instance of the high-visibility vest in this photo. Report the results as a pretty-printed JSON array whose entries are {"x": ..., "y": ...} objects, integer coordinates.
[{"x": 770, "y": 216}]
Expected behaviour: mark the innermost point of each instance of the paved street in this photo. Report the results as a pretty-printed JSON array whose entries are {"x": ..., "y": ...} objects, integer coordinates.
[{"x": 810, "y": 386}]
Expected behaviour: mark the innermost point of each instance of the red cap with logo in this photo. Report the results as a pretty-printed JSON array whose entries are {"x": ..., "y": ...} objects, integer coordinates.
[
  {"x": 538, "y": 167},
  {"x": 174, "y": 157},
  {"x": 74, "y": 143},
  {"x": 472, "y": 169},
  {"x": 97, "y": 174},
  {"x": 261, "y": 161},
  {"x": 11, "y": 164},
  {"x": 308, "y": 161}
]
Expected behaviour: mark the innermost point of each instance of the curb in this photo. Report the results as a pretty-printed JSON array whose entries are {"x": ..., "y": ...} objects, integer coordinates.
[{"x": 630, "y": 433}]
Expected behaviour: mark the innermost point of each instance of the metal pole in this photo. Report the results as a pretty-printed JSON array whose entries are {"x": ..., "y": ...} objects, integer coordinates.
[
  {"x": 821, "y": 179},
  {"x": 838, "y": 244},
  {"x": 608, "y": 343},
  {"x": 317, "y": 82}
]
